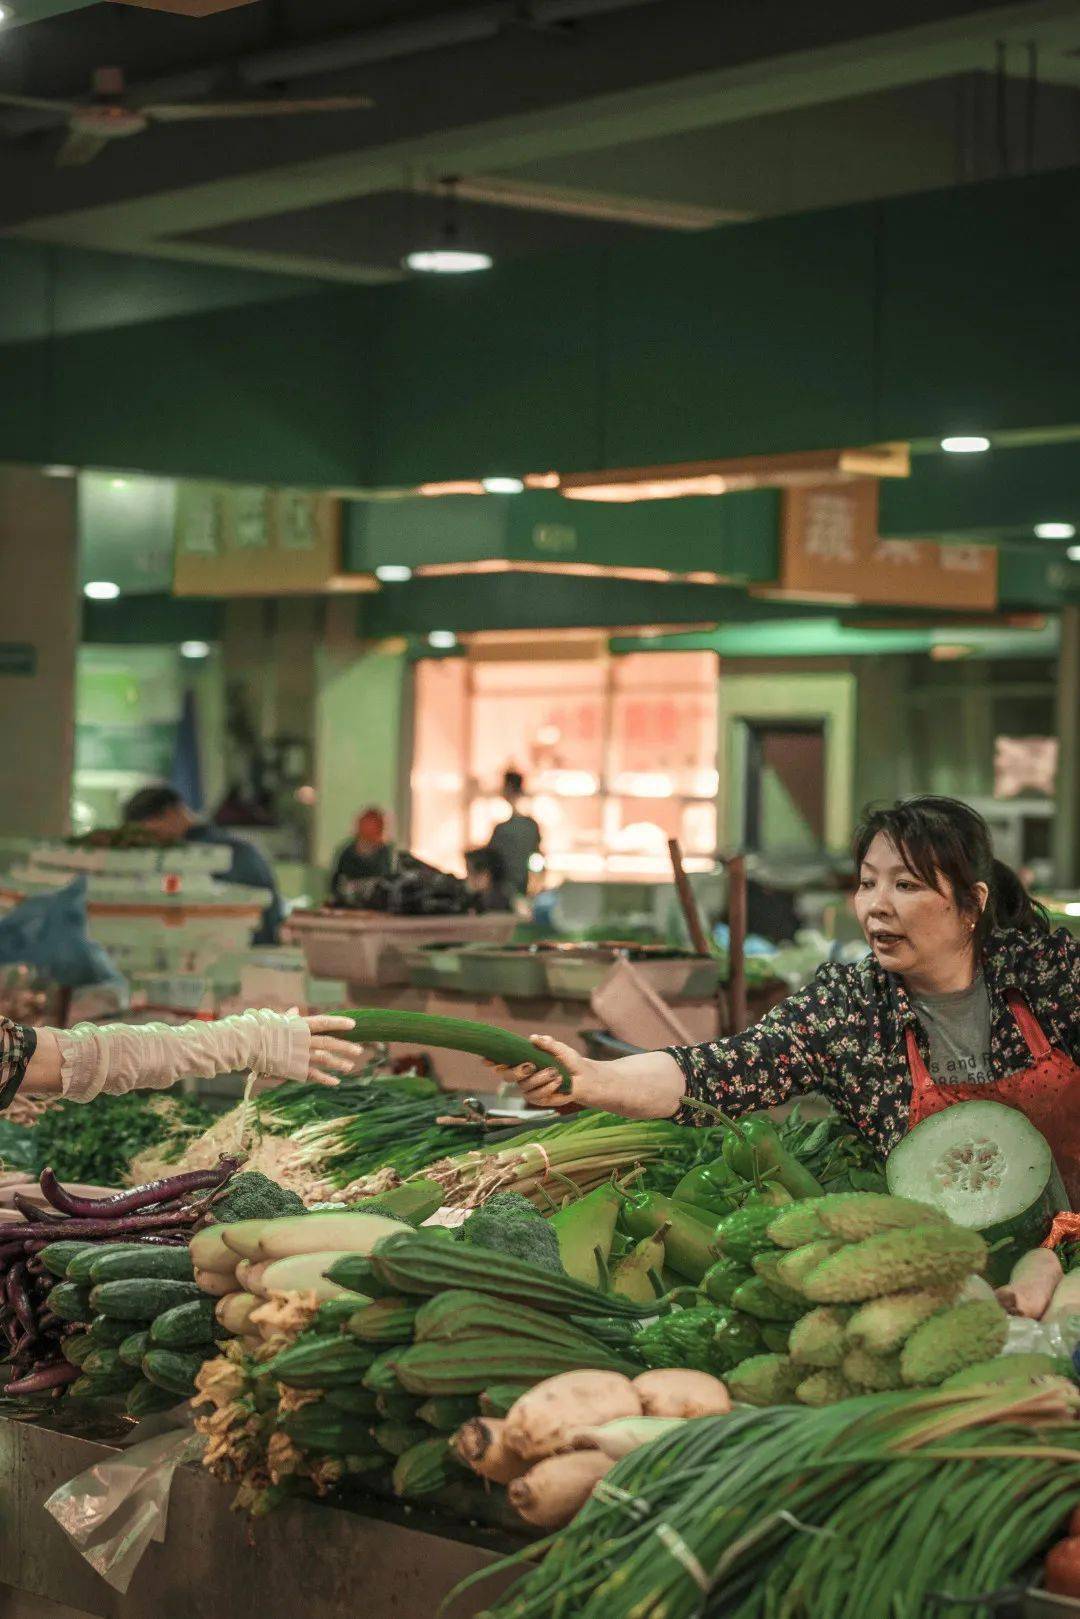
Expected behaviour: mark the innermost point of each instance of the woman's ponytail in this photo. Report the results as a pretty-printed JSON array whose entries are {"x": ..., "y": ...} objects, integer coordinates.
[{"x": 1011, "y": 906}]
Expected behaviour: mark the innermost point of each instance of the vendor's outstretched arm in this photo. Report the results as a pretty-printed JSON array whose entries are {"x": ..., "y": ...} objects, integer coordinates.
[{"x": 91, "y": 1059}]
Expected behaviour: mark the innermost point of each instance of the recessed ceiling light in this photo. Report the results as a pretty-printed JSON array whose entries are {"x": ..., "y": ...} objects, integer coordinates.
[
  {"x": 393, "y": 573},
  {"x": 1073, "y": 553},
  {"x": 447, "y": 261},
  {"x": 965, "y": 444},
  {"x": 5, "y": 14},
  {"x": 101, "y": 590},
  {"x": 119, "y": 483},
  {"x": 194, "y": 649},
  {"x": 1055, "y": 531},
  {"x": 442, "y": 640},
  {"x": 59, "y": 470},
  {"x": 503, "y": 486}
]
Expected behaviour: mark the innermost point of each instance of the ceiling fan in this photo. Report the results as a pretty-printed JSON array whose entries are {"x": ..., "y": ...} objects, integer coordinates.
[{"x": 109, "y": 116}]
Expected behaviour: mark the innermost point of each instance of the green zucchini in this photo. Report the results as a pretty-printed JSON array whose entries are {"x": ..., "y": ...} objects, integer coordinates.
[
  {"x": 58, "y": 1255},
  {"x": 131, "y": 1264},
  {"x": 173, "y": 1370},
  {"x": 185, "y": 1326},
  {"x": 498, "y": 1046},
  {"x": 94, "y": 1386},
  {"x": 145, "y": 1399},
  {"x": 425, "y": 1467},
  {"x": 328, "y": 1431},
  {"x": 988, "y": 1169},
  {"x": 71, "y": 1302},
  {"x": 141, "y": 1299},
  {"x": 104, "y": 1363},
  {"x": 134, "y": 1347}
]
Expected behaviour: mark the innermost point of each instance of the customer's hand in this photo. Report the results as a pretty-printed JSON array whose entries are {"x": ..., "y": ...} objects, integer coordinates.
[
  {"x": 541, "y": 1087},
  {"x": 343, "y": 1056}
]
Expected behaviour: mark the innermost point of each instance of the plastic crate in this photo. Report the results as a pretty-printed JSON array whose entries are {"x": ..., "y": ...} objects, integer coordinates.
[{"x": 371, "y": 948}]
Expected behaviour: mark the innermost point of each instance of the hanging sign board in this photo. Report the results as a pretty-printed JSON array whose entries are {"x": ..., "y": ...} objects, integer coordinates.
[
  {"x": 252, "y": 541},
  {"x": 830, "y": 550}
]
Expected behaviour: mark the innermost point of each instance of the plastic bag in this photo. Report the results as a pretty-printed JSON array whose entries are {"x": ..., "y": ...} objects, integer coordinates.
[
  {"x": 115, "y": 1509},
  {"x": 48, "y": 933}
]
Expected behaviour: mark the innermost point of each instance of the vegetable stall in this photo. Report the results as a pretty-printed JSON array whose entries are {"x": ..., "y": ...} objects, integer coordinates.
[{"x": 585, "y": 1367}]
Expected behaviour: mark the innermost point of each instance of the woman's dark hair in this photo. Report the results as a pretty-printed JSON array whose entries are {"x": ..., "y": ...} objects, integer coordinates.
[{"x": 943, "y": 838}]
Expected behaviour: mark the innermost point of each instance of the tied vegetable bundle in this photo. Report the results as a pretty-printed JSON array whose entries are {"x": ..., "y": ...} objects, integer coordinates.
[{"x": 865, "y": 1511}]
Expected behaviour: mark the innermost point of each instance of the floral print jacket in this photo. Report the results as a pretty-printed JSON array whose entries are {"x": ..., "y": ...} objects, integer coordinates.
[
  {"x": 17, "y": 1046},
  {"x": 845, "y": 1036}
]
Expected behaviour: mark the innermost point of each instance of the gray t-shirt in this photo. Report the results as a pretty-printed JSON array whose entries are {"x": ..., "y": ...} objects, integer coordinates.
[{"x": 958, "y": 1026}]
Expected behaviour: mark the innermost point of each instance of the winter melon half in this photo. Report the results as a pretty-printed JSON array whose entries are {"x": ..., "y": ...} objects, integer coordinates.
[{"x": 987, "y": 1168}]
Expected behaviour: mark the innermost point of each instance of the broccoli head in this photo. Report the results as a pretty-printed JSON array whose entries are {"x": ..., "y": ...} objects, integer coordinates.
[
  {"x": 254, "y": 1196},
  {"x": 509, "y": 1224}
]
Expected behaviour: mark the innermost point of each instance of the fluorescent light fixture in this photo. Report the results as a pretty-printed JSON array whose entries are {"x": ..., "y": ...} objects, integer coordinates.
[
  {"x": 1073, "y": 553},
  {"x": 5, "y": 14},
  {"x": 59, "y": 470},
  {"x": 101, "y": 590},
  {"x": 1055, "y": 531},
  {"x": 503, "y": 486},
  {"x": 118, "y": 483},
  {"x": 194, "y": 649},
  {"x": 1072, "y": 908},
  {"x": 442, "y": 640},
  {"x": 965, "y": 444},
  {"x": 447, "y": 261},
  {"x": 393, "y": 573}
]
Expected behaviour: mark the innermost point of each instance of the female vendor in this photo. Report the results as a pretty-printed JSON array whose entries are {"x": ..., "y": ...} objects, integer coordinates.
[
  {"x": 965, "y": 995},
  {"x": 90, "y": 1060}
]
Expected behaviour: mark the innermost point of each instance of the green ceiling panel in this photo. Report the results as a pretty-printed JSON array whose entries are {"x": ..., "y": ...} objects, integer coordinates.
[
  {"x": 469, "y": 602},
  {"x": 735, "y": 535},
  {"x": 150, "y": 620},
  {"x": 1005, "y": 491},
  {"x": 741, "y": 341},
  {"x": 978, "y": 298},
  {"x": 1033, "y": 577}
]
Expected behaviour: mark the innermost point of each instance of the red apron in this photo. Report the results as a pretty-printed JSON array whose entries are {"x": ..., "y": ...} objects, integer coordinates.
[{"x": 1047, "y": 1093}]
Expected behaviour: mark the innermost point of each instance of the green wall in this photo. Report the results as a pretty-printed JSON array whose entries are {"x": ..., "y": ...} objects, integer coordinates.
[{"x": 901, "y": 320}]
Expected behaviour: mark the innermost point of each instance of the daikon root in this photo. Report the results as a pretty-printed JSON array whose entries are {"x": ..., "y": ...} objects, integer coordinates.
[
  {"x": 543, "y": 1420},
  {"x": 1034, "y": 1280},
  {"x": 618, "y": 1439},
  {"x": 1066, "y": 1299},
  {"x": 556, "y": 1489},
  {"x": 481, "y": 1443},
  {"x": 673, "y": 1392}
]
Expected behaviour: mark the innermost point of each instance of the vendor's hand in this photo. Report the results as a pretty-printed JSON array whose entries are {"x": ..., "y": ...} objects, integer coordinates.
[
  {"x": 540, "y": 1087},
  {"x": 343, "y": 1056}
]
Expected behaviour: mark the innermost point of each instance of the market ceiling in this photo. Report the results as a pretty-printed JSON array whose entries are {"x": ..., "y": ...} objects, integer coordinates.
[{"x": 566, "y": 122}]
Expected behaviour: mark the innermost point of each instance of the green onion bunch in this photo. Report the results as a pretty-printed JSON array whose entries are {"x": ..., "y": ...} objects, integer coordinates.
[{"x": 888, "y": 1506}]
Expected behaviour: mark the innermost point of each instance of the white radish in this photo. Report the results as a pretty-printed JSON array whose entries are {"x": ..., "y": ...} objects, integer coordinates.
[
  {"x": 1034, "y": 1280},
  {"x": 249, "y": 1275},
  {"x": 301, "y": 1273},
  {"x": 243, "y": 1237},
  {"x": 556, "y": 1489},
  {"x": 543, "y": 1420},
  {"x": 216, "y": 1283},
  {"x": 1066, "y": 1299},
  {"x": 209, "y": 1251},
  {"x": 234, "y": 1313},
  {"x": 482, "y": 1445},
  {"x": 322, "y": 1233},
  {"x": 618, "y": 1439},
  {"x": 673, "y": 1392}
]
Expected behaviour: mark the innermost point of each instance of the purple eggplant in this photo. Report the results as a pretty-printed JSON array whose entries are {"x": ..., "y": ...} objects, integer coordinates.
[
  {"x": 139, "y": 1197},
  {"x": 51, "y": 1376},
  {"x": 133, "y": 1224},
  {"x": 17, "y": 1296},
  {"x": 30, "y": 1211}
]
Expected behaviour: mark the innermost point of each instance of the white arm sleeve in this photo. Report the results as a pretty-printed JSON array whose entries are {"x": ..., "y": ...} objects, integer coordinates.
[{"x": 152, "y": 1056}]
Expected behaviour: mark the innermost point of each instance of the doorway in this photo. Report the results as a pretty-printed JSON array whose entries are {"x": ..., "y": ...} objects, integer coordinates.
[{"x": 784, "y": 807}]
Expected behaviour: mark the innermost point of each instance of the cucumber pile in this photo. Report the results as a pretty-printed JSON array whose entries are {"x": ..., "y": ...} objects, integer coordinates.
[{"x": 140, "y": 1326}]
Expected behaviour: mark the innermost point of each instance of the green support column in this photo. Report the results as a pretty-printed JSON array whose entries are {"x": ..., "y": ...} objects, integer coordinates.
[{"x": 1067, "y": 796}]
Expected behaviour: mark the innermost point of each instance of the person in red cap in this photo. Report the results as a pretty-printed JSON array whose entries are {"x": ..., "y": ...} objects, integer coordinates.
[{"x": 367, "y": 854}]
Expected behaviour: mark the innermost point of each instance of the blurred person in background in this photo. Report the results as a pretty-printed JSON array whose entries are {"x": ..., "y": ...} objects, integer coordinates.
[
  {"x": 162, "y": 811},
  {"x": 367, "y": 854},
  {"x": 486, "y": 879},
  {"x": 516, "y": 839}
]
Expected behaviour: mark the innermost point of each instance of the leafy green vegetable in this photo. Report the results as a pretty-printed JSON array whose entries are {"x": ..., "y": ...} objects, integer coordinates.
[
  {"x": 253, "y": 1196},
  {"x": 94, "y": 1145}
]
